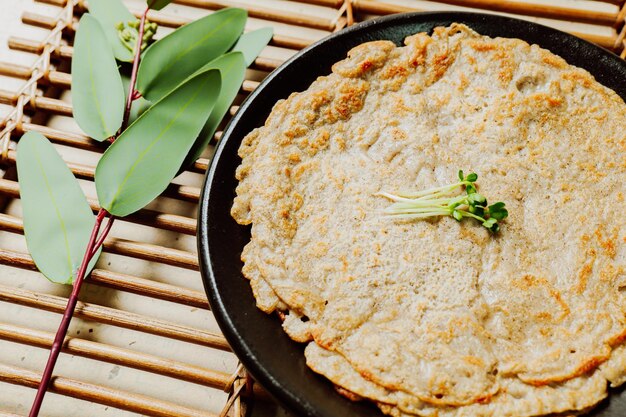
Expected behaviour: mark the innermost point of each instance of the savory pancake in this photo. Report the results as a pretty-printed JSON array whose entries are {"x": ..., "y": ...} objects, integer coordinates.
[{"x": 439, "y": 317}]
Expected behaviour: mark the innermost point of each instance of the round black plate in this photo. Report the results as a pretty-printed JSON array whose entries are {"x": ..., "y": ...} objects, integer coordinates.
[{"x": 257, "y": 338}]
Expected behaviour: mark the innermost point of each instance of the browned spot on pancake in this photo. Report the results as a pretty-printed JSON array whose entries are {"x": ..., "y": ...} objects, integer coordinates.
[
  {"x": 583, "y": 276},
  {"x": 350, "y": 99},
  {"x": 394, "y": 71},
  {"x": 618, "y": 339},
  {"x": 528, "y": 282},
  {"x": 440, "y": 64},
  {"x": 544, "y": 315},
  {"x": 319, "y": 99},
  {"x": 577, "y": 77},
  {"x": 607, "y": 244},
  {"x": 348, "y": 394},
  {"x": 587, "y": 366},
  {"x": 482, "y": 46},
  {"x": 463, "y": 82},
  {"x": 550, "y": 100},
  {"x": 554, "y": 61}
]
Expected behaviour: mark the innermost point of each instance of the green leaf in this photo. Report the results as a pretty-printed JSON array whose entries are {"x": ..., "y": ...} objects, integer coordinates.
[
  {"x": 169, "y": 61},
  {"x": 158, "y": 4},
  {"x": 57, "y": 218},
  {"x": 472, "y": 177},
  {"x": 252, "y": 43},
  {"x": 232, "y": 67},
  {"x": 490, "y": 222},
  {"x": 476, "y": 198},
  {"x": 97, "y": 91},
  {"x": 109, "y": 14},
  {"x": 497, "y": 211},
  {"x": 461, "y": 176},
  {"x": 139, "y": 165}
]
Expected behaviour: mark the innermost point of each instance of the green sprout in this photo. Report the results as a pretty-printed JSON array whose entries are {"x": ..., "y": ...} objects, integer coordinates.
[{"x": 442, "y": 201}]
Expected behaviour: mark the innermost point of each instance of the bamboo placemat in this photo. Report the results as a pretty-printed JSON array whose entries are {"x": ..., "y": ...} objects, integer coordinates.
[{"x": 143, "y": 341}]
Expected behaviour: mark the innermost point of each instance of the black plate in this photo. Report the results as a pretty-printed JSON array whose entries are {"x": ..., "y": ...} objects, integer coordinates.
[{"x": 258, "y": 339}]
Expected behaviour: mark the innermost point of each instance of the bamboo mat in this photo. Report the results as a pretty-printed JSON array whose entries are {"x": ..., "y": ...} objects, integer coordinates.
[{"x": 143, "y": 340}]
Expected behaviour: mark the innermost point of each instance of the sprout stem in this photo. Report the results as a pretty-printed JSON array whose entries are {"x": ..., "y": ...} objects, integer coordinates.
[{"x": 439, "y": 201}]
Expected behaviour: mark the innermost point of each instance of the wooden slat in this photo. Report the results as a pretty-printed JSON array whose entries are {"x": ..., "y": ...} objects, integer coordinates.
[
  {"x": 326, "y": 3},
  {"x": 152, "y": 253},
  {"x": 572, "y": 11},
  {"x": 13, "y": 70},
  {"x": 179, "y": 192},
  {"x": 137, "y": 250},
  {"x": 167, "y": 20},
  {"x": 64, "y": 80},
  {"x": 34, "y": 47},
  {"x": 39, "y": 20},
  {"x": 100, "y": 394},
  {"x": 256, "y": 11},
  {"x": 114, "y": 317},
  {"x": 117, "y": 356},
  {"x": 269, "y": 64},
  {"x": 123, "y": 357},
  {"x": 119, "y": 281},
  {"x": 261, "y": 12},
  {"x": 82, "y": 141},
  {"x": 146, "y": 217},
  {"x": 47, "y": 104},
  {"x": 605, "y": 36}
]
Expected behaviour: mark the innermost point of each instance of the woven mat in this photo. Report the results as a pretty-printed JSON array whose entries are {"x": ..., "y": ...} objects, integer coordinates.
[{"x": 143, "y": 341}]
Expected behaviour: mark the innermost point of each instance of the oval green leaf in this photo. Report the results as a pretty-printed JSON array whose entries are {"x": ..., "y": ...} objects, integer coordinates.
[
  {"x": 139, "y": 165},
  {"x": 158, "y": 4},
  {"x": 252, "y": 43},
  {"x": 171, "y": 60},
  {"x": 57, "y": 217},
  {"x": 232, "y": 67},
  {"x": 97, "y": 91},
  {"x": 109, "y": 13}
]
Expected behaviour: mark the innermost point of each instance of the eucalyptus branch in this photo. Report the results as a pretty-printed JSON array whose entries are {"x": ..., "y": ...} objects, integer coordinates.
[
  {"x": 57, "y": 344},
  {"x": 132, "y": 93},
  {"x": 439, "y": 202},
  {"x": 148, "y": 153},
  {"x": 94, "y": 244},
  {"x": 104, "y": 234}
]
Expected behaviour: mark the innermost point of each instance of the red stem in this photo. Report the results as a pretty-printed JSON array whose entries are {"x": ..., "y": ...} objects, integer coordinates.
[
  {"x": 132, "y": 94},
  {"x": 103, "y": 235},
  {"x": 67, "y": 317},
  {"x": 93, "y": 245}
]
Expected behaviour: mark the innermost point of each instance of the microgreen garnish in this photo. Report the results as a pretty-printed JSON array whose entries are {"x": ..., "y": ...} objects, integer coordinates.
[{"x": 443, "y": 201}]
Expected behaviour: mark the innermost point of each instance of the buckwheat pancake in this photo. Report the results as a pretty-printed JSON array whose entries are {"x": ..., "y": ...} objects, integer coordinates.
[{"x": 441, "y": 317}]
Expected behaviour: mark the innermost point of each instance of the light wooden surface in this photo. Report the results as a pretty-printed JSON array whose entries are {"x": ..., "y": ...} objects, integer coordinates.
[{"x": 143, "y": 341}]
